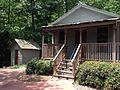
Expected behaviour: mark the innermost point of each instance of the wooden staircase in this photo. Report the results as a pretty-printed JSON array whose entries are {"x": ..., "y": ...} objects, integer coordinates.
[{"x": 65, "y": 70}]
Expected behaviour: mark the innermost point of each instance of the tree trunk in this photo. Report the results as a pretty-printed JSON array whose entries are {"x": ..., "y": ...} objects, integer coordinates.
[
  {"x": 32, "y": 14},
  {"x": 66, "y": 6}
]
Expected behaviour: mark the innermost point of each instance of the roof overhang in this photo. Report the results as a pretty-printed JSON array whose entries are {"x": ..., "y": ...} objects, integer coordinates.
[{"x": 81, "y": 25}]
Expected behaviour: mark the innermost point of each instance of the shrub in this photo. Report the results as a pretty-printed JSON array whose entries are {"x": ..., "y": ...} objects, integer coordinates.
[
  {"x": 99, "y": 75},
  {"x": 40, "y": 67},
  {"x": 113, "y": 82},
  {"x": 31, "y": 67}
]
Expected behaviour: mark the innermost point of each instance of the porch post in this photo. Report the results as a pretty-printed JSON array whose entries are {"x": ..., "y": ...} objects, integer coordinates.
[
  {"x": 53, "y": 38},
  {"x": 114, "y": 45},
  {"x": 42, "y": 44},
  {"x": 117, "y": 45},
  {"x": 81, "y": 43},
  {"x": 80, "y": 36},
  {"x": 65, "y": 36}
]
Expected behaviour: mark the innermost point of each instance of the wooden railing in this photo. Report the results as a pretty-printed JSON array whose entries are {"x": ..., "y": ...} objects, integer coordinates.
[
  {"x": 118, "y": 52},
  {"x": 50, "y": 50},
  {"x": 58, "y": 58},
  {"x": 97, "y": 51},
  {"x": 76, "y": 59}
]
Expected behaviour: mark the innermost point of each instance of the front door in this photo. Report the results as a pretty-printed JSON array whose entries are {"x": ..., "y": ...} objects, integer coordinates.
[
  {"x": 84, "y": 36},
  {"x": 61, "y": 37},
  {"x": 77, "y": 37},
  {"x": 70, "y": 45},
  {"x": 16, "y": 57},
  {"x": 84, "y": 40}
]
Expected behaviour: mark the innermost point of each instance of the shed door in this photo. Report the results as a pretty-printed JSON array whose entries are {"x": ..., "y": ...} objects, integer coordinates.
[{"x": 16, "y": 57}]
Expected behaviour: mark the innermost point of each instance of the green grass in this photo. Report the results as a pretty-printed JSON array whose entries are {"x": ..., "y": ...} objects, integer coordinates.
[{"x": 19, "y": 66}]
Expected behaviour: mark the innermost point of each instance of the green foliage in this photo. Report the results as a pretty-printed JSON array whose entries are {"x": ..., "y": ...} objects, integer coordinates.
[
  {"x": 39, "y": 67},
  {"x": 109, "y": 5},
  {"x": 16, "y": 18},
  {"x": 113, "y": 81},
  {"x": 99, "y": 75}
]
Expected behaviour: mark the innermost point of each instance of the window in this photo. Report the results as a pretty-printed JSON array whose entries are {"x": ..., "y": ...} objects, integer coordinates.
[{"x": 102, "y": 35}]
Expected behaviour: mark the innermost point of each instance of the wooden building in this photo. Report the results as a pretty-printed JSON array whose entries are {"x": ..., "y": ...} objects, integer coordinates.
[{"x": 83, "y": 33}]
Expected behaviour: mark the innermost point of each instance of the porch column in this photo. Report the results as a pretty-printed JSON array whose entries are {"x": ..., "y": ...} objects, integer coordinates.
[
  {"x": 53, "y": 38},
  {"x": 80, "y": 36},
  {"x": 65, "y": 36},
  {"x": 80, "y": 30},
  {"x": 114, "y": 46},
  {"x": 117, "y": 38},
  {"x": 42, "y": 44}
]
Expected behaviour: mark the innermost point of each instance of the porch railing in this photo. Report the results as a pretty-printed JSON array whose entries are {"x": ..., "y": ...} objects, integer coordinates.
[
  {"x": 118, "y": 52},
  {"x": 58, "y": 58},
  {"x": 76, "y": 59},
  {"x": 97, "y": 51},
  {"x": 50, "y": 50}
]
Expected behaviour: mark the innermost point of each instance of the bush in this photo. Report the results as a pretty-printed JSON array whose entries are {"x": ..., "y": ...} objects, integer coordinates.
[
  {"x": 40, "y": 67},
  {"x": 99, "y": 75},
  {"x": 113, "y": 82}
]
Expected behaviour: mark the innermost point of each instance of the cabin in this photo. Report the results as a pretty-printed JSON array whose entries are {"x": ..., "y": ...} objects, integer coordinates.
[
  {"x": 83, "y": 33},
  {"x": 23, "y": 51}
]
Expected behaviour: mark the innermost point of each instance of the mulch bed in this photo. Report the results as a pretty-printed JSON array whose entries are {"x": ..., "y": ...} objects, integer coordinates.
[{"x": 32, "y": 78}]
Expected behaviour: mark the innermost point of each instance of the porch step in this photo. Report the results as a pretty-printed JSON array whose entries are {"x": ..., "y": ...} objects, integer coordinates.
[
  {"x": 64, "y": 64},
  {"x": 68, "y": 60},
  {"x": 64, "y": 76},
  {"x": 65, "y": 72},
  {"x": 64, "y": 68}
]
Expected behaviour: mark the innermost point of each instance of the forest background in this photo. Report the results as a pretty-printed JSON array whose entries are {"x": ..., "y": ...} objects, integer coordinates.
[{"x": 23, "y": 18}]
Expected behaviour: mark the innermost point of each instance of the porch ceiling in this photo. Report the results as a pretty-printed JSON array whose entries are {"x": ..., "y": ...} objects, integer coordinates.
[{"x": 81, "y": 25}]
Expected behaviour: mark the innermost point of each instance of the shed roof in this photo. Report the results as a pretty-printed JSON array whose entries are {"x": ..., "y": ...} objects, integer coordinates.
[{"x": 24, "y": 44}]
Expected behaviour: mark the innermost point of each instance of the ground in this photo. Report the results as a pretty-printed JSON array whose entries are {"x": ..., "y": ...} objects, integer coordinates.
[{"x": 9, "y": 81}]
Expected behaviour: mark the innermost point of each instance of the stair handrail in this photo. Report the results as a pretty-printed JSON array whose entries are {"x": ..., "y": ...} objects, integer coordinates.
[
  {"x": 58, "y": 58},
  {"x": 73, "y": 52},
  {"x": 75, "y": 60}
]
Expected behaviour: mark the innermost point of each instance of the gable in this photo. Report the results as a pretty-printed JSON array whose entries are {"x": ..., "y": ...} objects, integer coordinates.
[
  {"x": 15, "y": 46},
  {"x": 83, "y": 13}
]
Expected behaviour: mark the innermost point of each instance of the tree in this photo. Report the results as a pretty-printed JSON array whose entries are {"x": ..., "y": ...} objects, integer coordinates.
[
  {"x": 109, "y": 5},
  {"x": 5, "y": 43}
]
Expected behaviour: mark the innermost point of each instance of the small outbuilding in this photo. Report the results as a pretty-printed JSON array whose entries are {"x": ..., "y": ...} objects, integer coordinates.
[{"x": 22, "y": 51}]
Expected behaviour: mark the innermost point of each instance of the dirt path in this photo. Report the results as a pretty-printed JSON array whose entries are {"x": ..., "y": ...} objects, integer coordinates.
[{"x": 8, "y": 81}]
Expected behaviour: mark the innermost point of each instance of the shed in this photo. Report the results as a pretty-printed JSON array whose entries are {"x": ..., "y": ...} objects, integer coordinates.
[{"x": 22, "y": 51}]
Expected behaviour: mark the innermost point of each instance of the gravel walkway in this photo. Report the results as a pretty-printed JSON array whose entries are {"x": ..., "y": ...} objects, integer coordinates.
[{"x": 8, "y": 81}]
